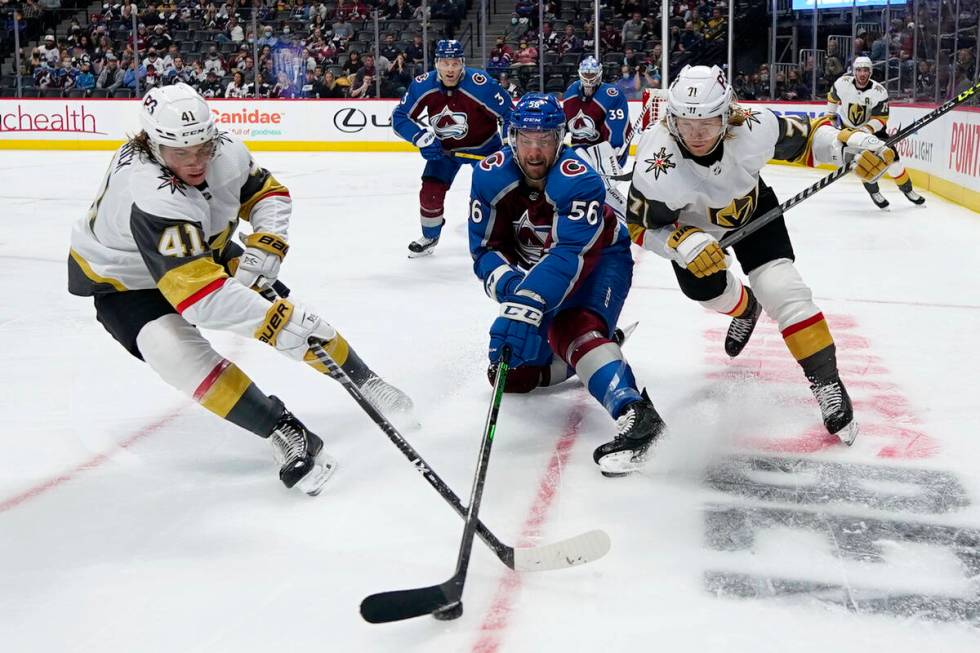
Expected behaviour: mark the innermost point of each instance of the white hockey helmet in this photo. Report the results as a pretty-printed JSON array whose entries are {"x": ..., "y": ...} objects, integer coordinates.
[
  {"x": 862, "y": 62},
  {"x": 699, "y": 92},
  {"x": 176, "y": 116}
]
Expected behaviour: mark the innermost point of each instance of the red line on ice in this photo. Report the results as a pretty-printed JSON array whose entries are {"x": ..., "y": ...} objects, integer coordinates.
[
  {"x": 91, "y": 463},
  {"x": 498, "y": 616}
]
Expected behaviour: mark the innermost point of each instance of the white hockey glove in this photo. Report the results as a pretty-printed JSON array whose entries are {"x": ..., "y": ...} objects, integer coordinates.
[
  {"x": 697, "y": 251},
  {"x": 873, "y": 156},
  {"x": 602, "y": 157},
  {"x": 258, "y": 266},
  {"x": 289, "y": 327}
]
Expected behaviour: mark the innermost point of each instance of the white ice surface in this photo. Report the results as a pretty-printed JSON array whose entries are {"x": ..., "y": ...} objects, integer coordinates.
[{"x": 133, "y": 520}]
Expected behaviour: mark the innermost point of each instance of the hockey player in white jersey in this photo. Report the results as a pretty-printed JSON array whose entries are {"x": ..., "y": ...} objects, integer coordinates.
[
  {"x": 697, "y": 177},
  {"x": 155, "y": 253},
  {"x": 858, "y": 102}
]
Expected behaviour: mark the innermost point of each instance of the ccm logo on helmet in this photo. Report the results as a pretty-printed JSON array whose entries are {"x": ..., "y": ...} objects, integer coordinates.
[
  {"x": 494, "y": 160},
  {"x": 571, "y": 168}
]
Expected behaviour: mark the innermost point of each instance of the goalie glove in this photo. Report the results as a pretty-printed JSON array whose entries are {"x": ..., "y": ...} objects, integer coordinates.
[
  {"x": 289, "y": 327},
  {"x": 873, "y": 156},
  {"x": 258, "y": 266},
  {"x": 697, "y": 251}
]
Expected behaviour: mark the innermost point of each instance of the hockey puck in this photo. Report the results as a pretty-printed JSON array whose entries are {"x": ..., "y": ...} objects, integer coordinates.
[{"x": 452, "y": 611}]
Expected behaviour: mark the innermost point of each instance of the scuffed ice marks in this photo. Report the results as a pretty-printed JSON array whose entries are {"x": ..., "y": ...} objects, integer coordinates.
[{"x": 870, "y": 520}]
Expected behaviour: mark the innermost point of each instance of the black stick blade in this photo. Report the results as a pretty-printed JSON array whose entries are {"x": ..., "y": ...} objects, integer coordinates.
[{"x": 397, "y": 605}]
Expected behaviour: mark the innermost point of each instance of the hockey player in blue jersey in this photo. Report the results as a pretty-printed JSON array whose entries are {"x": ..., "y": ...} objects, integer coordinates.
[
  {"x": 558, "y": 261},
  {"x": 449, "y": 113},
  {"x": 596, "y": 112}
]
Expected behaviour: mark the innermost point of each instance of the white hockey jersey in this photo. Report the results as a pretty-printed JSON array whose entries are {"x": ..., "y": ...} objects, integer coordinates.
[
  {"x": 148, "y": 229},
  {"x": 856, "y": 107}
]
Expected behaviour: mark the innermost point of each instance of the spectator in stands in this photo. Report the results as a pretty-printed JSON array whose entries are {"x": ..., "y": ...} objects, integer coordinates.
[
  {"x": 152, "y": 79},
  {"x": 398, "y": 76},
  {"x": 517, "y": 28},
  {"x": 690, "y": 39},
  {"x": 526, "y": 56},
  {"x": 501, "y": 43},
  {"x": 570, "y": 43},
  {"x": 84, "y": 79},
  {"x": 717, "y": 25},
  {"x": 794, "y": 88},
  {"x": 160, "y": 39},
  {"x": 649, "y": 76},
  {"x": 309, "y": 87},
  {"x": 364, "y": 88},
  {"x": 551, "y": 40},
  {"x": 167, "y": 60},
  {"x": 48, "y": 50},
  {"x": 510, "y": 86},
  {"x": 329, "y": 88},
  {"x": 415, "y": 54},
  {"x": 925, "y": 81},
  {"x": 134, "y": 72},
  {"x": 629, "y": 83},
  {"x": 233, "y": 32},
  {"x": 879, "y": 49},
  {"x": 198, "y": 76},
  {"x": 352, "y": 65},
  {"x": 497, "y": 62},
  {"x": 610, "y": 39},
  {"x": 422, "y": 13},
  {"x": 343, "y": 31},
  {"x": 212, "y": 85},
  {"x": 237, "y": 88},
  {"x": 389, "y": 49},
  {"x": 214, "y": 62},
  {"x": 268, "y": 38},
  {"x": 401, "y": 10},
  {"x": 139, "y": 42},
  {"x": 832, "y": 65},
  {"x": 633, "y": 28},
  {"x": 111, "y": 76},
  {"x": 177, "y": 73}
]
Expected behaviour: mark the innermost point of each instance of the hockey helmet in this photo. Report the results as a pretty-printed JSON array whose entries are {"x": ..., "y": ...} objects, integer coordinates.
[
  {"x": 699, "y": 92},
  {"x": 590, "y": 73},
  {"x": 536, "y": 112},
  {"x": 176, "y": 116},
  {"x": 862, "y": 62},
  {"x": 449, "y": 49}
]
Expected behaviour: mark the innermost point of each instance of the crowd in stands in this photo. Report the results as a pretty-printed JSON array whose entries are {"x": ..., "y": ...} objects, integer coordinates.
[{"x": 314, "y": 49}]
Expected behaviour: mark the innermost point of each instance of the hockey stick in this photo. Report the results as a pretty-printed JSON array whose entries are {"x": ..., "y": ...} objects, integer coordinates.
[
  {"x": 445, "y": 601},
  {"x": 769, "y": 216},
  {"x": 577, "y": 550}
]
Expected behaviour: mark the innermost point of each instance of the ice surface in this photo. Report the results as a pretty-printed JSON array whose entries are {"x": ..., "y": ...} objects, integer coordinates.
[{"x": 133, "y": 520}]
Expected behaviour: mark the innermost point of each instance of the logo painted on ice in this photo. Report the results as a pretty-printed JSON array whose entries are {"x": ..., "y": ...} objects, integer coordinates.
[
  {"x": 450, "y": 124},
  {"x": 582, "y": 127}
]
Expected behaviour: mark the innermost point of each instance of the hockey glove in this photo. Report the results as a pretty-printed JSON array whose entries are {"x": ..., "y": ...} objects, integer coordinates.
[
  {"x": 502, "y": 282},
  {"x": 289, "y": 327},
  {"x": 697, "y": 251},
  {"x": 429, "y": 146},
  {"x": 517, "y": 326},
  {"x": 872, "y": 165},
  {"x": 258, "y": 266}
]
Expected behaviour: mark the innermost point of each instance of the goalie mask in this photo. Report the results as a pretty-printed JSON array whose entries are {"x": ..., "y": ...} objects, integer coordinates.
[{"x": 590, "y": 75}]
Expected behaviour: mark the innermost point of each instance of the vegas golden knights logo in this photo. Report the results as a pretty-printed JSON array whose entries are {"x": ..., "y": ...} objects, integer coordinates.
[
  {"x": 737, "y": 213},
  {"x": 857, "y": 114}
]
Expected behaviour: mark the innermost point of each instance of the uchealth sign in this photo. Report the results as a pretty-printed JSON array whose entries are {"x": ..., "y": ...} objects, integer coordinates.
[{"x": 948, "y": 148}]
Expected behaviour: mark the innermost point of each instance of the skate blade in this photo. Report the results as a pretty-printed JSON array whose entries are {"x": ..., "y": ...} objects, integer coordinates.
[
  {"x": 424, "y": 252},
  {"x": 621, "y": 463},
  {"x": 849, "y": 433},
  {"x": 322, "y": 470}
]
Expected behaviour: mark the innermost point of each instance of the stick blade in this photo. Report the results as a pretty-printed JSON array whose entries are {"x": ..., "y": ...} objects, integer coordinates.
[
  {"x": 397, "y": 605},
  {"x": 579, "y": 550}
]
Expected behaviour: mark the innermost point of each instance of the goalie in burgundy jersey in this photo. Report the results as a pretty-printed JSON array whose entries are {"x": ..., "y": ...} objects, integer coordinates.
[
  {"x": 697, "y": 178},
  {"x": 558, "y": 262},
  {"x": 453, "y": 115},
  {"x": 155, "y": 253},
  {"x": 597, "y": 112}
]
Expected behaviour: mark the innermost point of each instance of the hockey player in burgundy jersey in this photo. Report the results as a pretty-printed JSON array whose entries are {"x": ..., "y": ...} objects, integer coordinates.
[
  {"x": 556, "y": 258},
  {"x": 446, "y": 113},
  {"x": 596, "y": 112}
]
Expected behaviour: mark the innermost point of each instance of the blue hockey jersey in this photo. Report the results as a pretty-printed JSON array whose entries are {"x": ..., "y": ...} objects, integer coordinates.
[
  {"x": 555, "y": 238},
  {"x": 465, "y": 117},
  {"x": 603, "y": 117}
]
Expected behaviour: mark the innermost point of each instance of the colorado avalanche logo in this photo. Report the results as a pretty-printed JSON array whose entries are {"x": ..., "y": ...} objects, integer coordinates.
[
  {"x": 479, "y": 79},
  {"x": 572, "y": 168},
  {"x": 450, "y": 124},
  {"x": 531, "y": 238},
  {"x": 660, "y": 163},
  {"x": 421, "y": 78},
  {"x": 582, "y": 127},
  {"x": 612, "y": 91},
  {"x": 494, "y": 160}
]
